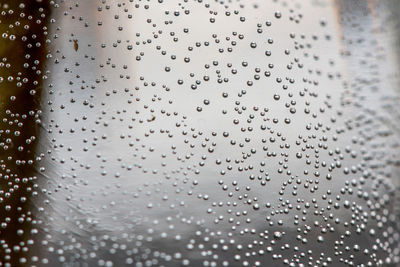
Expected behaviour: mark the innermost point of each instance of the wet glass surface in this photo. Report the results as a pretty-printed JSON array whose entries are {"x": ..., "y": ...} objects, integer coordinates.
[{"x": 199, "y": 133}]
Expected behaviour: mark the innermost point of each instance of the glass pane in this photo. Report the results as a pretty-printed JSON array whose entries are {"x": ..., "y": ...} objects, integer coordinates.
[{"x": 199, "y": 133}]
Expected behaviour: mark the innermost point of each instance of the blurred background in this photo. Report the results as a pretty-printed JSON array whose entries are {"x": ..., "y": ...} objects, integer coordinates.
[{"x": 194, "y": 133}]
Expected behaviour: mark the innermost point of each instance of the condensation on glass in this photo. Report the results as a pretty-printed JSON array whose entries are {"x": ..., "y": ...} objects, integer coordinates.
[{"x": 199, "y": 133}]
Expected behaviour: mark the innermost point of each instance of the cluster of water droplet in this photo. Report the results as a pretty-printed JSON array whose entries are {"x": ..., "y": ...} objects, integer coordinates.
[{"x": 196, "y": 133}]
